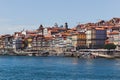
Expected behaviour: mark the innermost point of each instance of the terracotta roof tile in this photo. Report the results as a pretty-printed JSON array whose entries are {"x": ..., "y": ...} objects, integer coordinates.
[
  {"x": 113, "y": 33},
  {"x": 99, "y": 28}
]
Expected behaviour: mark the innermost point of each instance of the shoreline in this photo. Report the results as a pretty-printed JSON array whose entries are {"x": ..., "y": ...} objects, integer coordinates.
[{"x": 78, "y": 54}]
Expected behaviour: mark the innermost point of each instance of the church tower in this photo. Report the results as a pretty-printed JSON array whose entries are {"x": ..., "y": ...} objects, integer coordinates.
[{"x": 66, "y": 25}]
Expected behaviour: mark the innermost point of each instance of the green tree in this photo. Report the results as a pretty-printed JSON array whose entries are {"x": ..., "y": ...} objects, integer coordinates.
[{"x": 110, "y": 46}]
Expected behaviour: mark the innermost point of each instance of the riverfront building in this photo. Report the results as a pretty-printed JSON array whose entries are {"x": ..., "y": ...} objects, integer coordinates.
[
  {"x": 63, "y": 38},
  {"x": 79, "y": 40},
  {"x": 95, "y": 37}
]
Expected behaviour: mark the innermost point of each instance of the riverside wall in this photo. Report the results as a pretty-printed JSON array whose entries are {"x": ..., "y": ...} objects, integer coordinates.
[{"x": 82, "y": 53}]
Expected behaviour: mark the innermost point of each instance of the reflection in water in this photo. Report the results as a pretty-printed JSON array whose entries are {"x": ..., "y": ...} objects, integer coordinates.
[
  {"x": 58, "y": 68},
  {"x": 75, "y": 61},
  {"x": 117, "y": 64},
  {"x": 89, "y": 62},
  {"x": 89, "y": 66}
]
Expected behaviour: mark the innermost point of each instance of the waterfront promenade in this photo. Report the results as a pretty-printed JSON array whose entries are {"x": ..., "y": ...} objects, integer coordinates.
[{"x": 83, "y": 53}]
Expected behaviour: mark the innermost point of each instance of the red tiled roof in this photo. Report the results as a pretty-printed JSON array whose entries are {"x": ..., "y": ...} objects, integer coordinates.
[
  {"x": 31, "y": 32},
  {"x": 113, "y": 33},
  {"x": 99, "y": 28}
]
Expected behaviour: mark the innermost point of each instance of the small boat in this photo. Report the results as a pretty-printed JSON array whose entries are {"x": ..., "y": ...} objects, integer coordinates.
[{"x": 103, "y": 55}]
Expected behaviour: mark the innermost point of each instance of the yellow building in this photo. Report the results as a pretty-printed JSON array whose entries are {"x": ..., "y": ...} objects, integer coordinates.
[
  {"x": 79, "y": 40},
  {"x": 29, "y": 42},
  {"x": 1, "y": 43}
]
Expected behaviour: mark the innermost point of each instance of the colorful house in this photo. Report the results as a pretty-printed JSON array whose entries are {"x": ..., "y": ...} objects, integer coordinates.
[
  {"x": 79, "y": 40},
  {"x": 114, "y": 37}
]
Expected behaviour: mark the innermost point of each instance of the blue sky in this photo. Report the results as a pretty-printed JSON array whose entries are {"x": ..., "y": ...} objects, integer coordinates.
[{"x": 16, "y": 15}]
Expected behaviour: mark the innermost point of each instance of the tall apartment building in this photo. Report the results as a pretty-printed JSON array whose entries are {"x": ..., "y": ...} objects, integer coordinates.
[{"x": 95, "y": 38}]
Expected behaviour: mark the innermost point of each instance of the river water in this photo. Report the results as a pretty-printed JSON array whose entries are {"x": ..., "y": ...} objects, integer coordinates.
[{"x": 58, "y": 68}]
